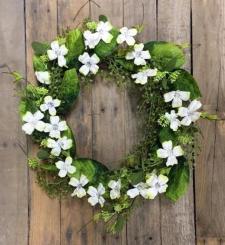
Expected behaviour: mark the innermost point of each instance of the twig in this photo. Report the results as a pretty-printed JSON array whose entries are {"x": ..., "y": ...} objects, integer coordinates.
[
  {"x": 82, "y": 227},
  {"x": 79, "y": 10},
  {"x": 143, "y": 13}
]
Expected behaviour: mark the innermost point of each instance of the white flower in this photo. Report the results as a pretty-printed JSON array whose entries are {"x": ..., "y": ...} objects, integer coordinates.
[
  {"x": 170, "y": 152},
  {"x": 32, "y": 122},
  {"x": 58, "y": 52},
  {"x": 158, "y": 184},
  {"x": 89, "y": 63},
  {"x": 115, "y": 186},
  {"x": 139, "y": 55},
  {"x": 177, "y": 97},
  {"x": 174, "y": 122},
  {"x": 55, "y": 127},
  {"x": 103, "y": 29},
  {"x": 127, "y": 36},
  {"x": 65, "y": 167},
  {"x": 139, "y": 189},
  {"x": 57, "y": 145},
  {"x": 91, "y": 39},
  {"x": 79, "y": 184},
  {"x": 50, "y": 105},
  {"x": 190, "y": 114},
  {"x": 43, "y": 77},
  {"x": 96, "y": 195},
  {"x": 142, "y": 76}
]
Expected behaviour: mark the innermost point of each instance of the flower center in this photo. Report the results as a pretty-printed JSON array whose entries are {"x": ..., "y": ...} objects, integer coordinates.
[
  {"x": 157, "y": 186},
  {"x": 89, "y": 64},
  {"x": 50, "y": 104},
  {"x": 55, "y": 126},
  {"x": 138, "y": 54}
]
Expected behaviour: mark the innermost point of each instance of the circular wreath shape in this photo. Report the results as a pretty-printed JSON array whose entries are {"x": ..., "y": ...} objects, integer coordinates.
[{"x": 167, "y": 100}]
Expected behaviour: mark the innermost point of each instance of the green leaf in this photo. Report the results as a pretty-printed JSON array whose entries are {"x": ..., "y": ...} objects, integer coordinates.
[
  {"x": 92, "y": 169},
  {"x": 128, "y": 65},
  {"x": 178, "y": 181},
  {"x": 166, "y": 134},
  {"x": 117, "y": 225},
  {"x": 102, "y": 18},
  {"x": 165, "y": 171},
  {"x": 186, "y": 82},
  {"x": 136, "y": 178},
  {"x": 17, "y": 76},
  {"x": 69, "y": 134},
  {"x": 209, "y": 116},
  {"x": 74, "y": 44},
  {"x": 40, "y": 48},
  {"x": 43, "y": 154},
  {"x": 166, "y": 56},
  {"x": 38, "y": 64},
  {"x": 69, "y": 89},
  {"x": 105, "y": 49}
]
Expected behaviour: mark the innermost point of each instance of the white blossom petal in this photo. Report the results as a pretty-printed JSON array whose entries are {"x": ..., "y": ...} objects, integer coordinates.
[
  {"x": 161, "y": 153},
  {"x": 194, "y": 105},
  {"x": 61, "y": 61},
  {"x": 28, "y": 128},
  {"x": 62, "y": 173},
  {"x": 40, "y": 126},
  {"x": 171, "y": 160},
  {"x": 167, "y": 145},
  {"x": 93, "y": 200},
  {"x": 84, "y": 70},
  {"x": 169, "y": 96},
  {"x": 132, "y": 193},
  {"x": 43, "y": 77},
  {"x": 177, "y": 151},
  {"x": 51, "y": 55}
]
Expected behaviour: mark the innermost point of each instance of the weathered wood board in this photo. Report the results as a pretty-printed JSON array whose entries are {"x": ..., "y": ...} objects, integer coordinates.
[{"x": 105, "y": 124}]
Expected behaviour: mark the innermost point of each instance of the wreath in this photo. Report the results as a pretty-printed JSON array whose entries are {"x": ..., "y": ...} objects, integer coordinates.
[{"x": 167, "y": 102}]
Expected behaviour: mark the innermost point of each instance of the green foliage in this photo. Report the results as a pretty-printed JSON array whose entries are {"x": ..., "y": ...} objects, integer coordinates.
[
  {"x": 105, "y": 49},
  {"x": 40, "y": 48},
  {"x": 52, "y": 184},
  {"x": 68, "y": 89},
  {"x": 178, "y": 181},
  {"x": 149, "y": 100},
  {"x": 91, "y": 25},
  {"x": 136, "y": 177},
  {"x": 75, "y": 44},
  {"x": 31, "y": 98},
  {"x": 103, "y": 18},
  {"x": 16, "y": 76},
  {"x": 209, "y": 116},
  {"x": 69, "y": 134},
  {"x": 186, "y": 82},
  {"x": 166, "y": 134},
  {"x": 126, "y": 64},
  {"x": 39, "y": 64},
  {"x": 43, "y": 154},
  {"x": 93, "y": 170},
  {"x": 166, "y": 56}
]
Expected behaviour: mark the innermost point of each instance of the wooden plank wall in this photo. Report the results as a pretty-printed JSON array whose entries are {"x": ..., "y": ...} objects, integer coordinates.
[{"x": 105, "y": 125}]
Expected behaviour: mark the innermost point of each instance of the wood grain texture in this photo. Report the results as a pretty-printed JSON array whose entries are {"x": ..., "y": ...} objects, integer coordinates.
[
  {"x": 13, "y": 174},
  {"x": 44, "y": 212},
  {"x": 212, "y": 241},
  {"x": 208, "y": 68},
  {"x": 76, "y": 214},
  {"x": 104, "y": 121},
  {"x": 108, "y": 116},
  {"x": 177, "y": 220},
  {"x": 143, "y": 225}
]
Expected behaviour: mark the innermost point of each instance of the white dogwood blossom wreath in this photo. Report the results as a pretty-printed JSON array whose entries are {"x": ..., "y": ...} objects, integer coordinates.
[{"x": 168, "y": 102}]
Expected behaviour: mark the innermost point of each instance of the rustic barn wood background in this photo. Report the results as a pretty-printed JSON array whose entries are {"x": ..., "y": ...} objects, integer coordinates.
[{"x": 106, "y": 127}]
